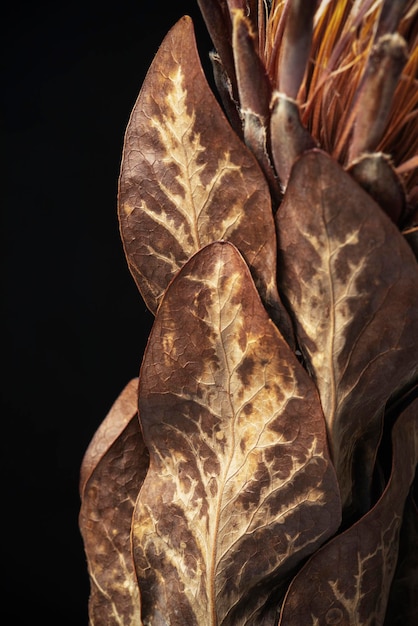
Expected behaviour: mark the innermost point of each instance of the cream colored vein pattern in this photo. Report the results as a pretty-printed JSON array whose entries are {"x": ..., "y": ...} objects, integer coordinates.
[
  {"x": 366, "y": 564},
  {"x": 328, "y": 323},
  {"x": 237, "y": 454},
  {"x": 347, "y": 274},
  {"x": 176, "y": 130}
]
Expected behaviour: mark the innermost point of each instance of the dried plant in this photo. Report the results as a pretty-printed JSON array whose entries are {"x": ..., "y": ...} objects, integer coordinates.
[{"x": 261, "y": 469}]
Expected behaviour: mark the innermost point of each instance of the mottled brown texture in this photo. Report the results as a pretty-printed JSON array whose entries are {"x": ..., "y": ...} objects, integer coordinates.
[
  {"x": 351, "y": 282},
  {"x": 240, "y": 488},
  {"x": 217, "y": 501},
  {"x": 112, "y": 473},
  {"x": 347, "y": 581},
  {"x": 187, "y": 180}
]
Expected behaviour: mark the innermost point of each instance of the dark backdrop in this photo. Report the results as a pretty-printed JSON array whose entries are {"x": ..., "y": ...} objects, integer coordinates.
[{"x": 74, "y": 325}]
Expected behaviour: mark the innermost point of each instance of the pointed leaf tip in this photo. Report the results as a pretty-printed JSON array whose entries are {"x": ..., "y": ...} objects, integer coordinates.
[
  {"x": 240, "y": 487},
  {"x": 187, "y": 180}
]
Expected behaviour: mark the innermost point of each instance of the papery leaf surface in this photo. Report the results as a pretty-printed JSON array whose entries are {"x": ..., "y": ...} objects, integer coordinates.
[
  {"x": 350, "y": 280},
  {"x": 112, "y": 473},
  {"x": 187, "y": 179},
  {"x": 240, "y": 487},
  {"x": 348, "y": 580}
]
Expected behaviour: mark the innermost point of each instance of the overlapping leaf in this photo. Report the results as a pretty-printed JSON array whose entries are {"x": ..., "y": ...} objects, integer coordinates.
[
  {"x": 348, "y": 581},
  {"x": 351, "y": 282},
  {"x": 112, "y": 472},
  {"x": 254, "y": 92},
  {"x": 187, "y": 180},
  {"x": 240, "y": 487}
]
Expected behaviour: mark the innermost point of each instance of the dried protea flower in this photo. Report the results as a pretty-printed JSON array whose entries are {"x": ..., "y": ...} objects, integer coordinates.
[
  {"x": 342, "y": 75},
  {"x": 261, "y": 469}
]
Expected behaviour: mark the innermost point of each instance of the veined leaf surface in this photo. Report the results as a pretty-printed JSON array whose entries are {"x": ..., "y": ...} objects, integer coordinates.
[
  {"x": 351, "y": 282},
  {"x": 348, "y": 581},
  {"x": 240, "y": 487},
  {"x": 112, "y": 472},
  {"x": 187, "y": 180}
]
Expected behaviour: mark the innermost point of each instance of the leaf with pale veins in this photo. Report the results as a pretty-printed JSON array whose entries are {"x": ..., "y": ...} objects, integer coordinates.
[
  {"x": 348, "y": 580},
  {"x": 187, "y": 180},
  {"x": 350, "y": 280},
  {"x": 240, "y": 487},
  {"x": 112, "y": 473}
]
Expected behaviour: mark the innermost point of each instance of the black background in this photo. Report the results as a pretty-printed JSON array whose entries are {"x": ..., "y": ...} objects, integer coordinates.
[{"x": 74, "y": 324}]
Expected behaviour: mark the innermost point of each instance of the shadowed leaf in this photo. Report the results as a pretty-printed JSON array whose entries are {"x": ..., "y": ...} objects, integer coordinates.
[
  {"x": 351, "y": 282},
  {"x": 402, "y": 607},
  {"x": 240, "y": 488},
  {"x": 218, "y": 22},
  {"x": 347, "y": 581},
  {"x": 254, "y": 92},
  {"x": 187, "y": 180},
  {"x": 112, "y": 472},
  {"x": 224, "y": 88},
  {"x": 375, "y": 173}
]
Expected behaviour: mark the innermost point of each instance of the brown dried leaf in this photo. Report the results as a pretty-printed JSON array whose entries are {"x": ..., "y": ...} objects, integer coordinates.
[
  {"x": 348, "y": 580},
  {"x": 240, "y": 487},
  {"x": 187, "y": 180},
  {"x": 351, "y": 282},
  {"x": 112, "y": 472},
  {"x": 254, "y": 91}
]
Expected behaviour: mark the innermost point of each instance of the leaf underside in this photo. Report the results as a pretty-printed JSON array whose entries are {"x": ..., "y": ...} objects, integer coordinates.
[{"x": 240, "y": 487}]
